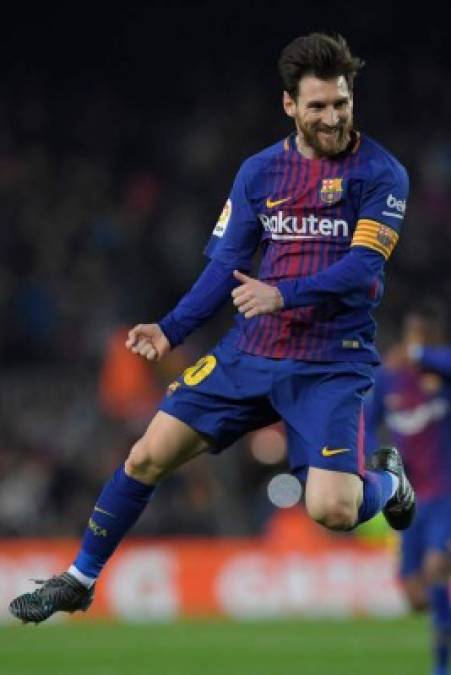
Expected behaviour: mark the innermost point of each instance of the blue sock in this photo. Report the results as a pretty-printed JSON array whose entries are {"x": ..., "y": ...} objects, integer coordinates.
[
  {"x": 440, "y": 609},
  {"x": 377, "y": 490},
  {"x": 119, "y": 506}
]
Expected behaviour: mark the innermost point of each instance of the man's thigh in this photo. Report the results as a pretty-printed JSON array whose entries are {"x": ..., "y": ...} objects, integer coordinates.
[
  {"x": 171, "y": 441},
  {"x": 412, "y": 553},
  {"x": 437, "y": 528},
  {"x": 222, "y": 396},
  {"x": 427, "y": 538},
  {"x": 167, "y": 444},
  {"x": 412, "y": 545},
  {"x": 322, "y": 411}
]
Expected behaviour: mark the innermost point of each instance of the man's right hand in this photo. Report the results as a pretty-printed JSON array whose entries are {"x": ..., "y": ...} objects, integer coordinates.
[{"x": 149, "y": 341}]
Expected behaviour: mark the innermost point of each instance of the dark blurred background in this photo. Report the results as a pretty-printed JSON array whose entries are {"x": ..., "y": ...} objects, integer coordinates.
[{"x": 120, "y": 134}]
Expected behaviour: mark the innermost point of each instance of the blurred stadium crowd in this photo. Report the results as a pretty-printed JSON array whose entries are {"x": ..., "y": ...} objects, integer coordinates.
[{"x": 109, "y": 189}]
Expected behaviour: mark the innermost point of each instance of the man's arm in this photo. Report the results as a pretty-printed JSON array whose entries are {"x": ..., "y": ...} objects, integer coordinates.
[
  {"x": 233, "y": 243},
  {"x": 208, "y": 294},
  {"x": 357, "y": 271},
  {"x": 437, "y": 359},
  {"x": 211, "y": 290}
]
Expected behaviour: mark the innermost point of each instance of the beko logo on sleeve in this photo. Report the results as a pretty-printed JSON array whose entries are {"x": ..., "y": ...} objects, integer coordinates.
[
  {"x": 397, "y": 207},
  {"x": 398, "y": 204}
]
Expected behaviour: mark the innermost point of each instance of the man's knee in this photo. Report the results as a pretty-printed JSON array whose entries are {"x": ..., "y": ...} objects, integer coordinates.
[
  {"x": 145, "y": 463},
  {"x": 333, "y": 498},
  {"x": 415, "y": 592},
  {"x": 436, "y": 568},
  {"x": 335, "y": 514},
  {"x": 167, "y": 444},
  {"x": 417, "y": 603}
]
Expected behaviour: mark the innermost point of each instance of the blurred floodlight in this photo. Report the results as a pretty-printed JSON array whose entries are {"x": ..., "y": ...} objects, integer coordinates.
[
  {"x": 284, "y": 490},
  {"x": 268, "y": 446}
]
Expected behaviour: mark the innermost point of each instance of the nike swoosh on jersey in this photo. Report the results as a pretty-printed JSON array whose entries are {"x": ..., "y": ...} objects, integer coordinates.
[
  {"x": 107, "y": 513},
  {"x": 329, "y": 453},
  {"x": 271, "y": 204}
]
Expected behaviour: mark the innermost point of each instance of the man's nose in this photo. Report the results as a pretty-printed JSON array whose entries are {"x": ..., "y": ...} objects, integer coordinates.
[{"x": 331, "y": 117}]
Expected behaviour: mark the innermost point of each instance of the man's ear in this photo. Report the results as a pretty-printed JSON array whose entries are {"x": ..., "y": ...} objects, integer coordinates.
[{"x": 289, "y": 105}]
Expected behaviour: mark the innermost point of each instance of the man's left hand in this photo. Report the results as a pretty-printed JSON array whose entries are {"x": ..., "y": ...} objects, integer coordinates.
[{"x": 254, "y": 297}]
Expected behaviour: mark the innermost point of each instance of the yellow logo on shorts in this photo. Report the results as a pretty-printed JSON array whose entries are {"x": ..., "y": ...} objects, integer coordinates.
[
  {"x": 201, "y": 369},
  {"x": 329, "y": 453}
]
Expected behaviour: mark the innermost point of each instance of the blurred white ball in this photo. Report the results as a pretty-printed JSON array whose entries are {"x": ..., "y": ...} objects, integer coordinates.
[{"x": 284, "y": 490}]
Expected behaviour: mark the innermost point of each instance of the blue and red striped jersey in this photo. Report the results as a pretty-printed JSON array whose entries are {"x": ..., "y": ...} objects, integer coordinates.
[
  {"x": 305, "y": 215},
  {"x": 414, "y": 406}
]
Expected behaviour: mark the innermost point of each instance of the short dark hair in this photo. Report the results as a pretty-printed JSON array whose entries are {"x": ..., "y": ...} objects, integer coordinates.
[
  {"x": 319, "y": 54},
  {"x": 430, "y": 309}
]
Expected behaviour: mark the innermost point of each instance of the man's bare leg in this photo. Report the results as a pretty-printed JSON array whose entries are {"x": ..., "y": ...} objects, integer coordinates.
[{"x": 167, "y": 444}]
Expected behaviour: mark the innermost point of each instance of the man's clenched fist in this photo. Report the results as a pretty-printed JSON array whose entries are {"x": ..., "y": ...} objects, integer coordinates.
[{"x": 148, "y": 340}]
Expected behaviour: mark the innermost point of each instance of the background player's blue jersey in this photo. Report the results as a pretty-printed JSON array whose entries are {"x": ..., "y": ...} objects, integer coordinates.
[
  {"x": 414, "y": 404},
  {"x": 306, "y": 215}
]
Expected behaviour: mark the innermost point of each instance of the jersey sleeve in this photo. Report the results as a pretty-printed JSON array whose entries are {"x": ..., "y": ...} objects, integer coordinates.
[
  {"x": 237, "y": 233},
  {"x": 382, "y": 209},
  {"x": 210, "y": 291},
  {"x": 436, "y": 359}
]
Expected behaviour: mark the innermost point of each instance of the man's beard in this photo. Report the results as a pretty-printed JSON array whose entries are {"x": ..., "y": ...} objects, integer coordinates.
[{"x": 326, "y": 144}]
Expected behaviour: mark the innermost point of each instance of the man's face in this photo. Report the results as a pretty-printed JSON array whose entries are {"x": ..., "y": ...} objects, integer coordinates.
[
  {"x": 417, "y": 329},
  {"x": 323, "y": 115}
]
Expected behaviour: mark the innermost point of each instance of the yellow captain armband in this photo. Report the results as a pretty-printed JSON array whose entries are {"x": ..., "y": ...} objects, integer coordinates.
[{"x": 374, "y": 235}]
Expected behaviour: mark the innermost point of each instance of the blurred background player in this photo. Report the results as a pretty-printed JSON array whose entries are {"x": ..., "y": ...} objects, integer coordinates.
[
  {"x": 325, "y": 205},
  {"x": 412, "y": 400}
]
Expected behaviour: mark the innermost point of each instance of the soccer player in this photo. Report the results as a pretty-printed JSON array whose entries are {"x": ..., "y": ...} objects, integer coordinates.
[
  {"x": 325, "y": 206},
  {"x": 412, "y": 400}
]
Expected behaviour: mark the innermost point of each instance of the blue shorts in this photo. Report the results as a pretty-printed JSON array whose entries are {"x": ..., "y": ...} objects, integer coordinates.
[
  {"x": 228, "y": 393},
  {"x": 430, "y": 531}
]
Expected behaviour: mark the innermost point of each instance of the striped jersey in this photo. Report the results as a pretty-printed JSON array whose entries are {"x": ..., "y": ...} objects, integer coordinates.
[
  {"x": 304, "y": 215},
  {"x": 414, "y": 405}
]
